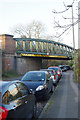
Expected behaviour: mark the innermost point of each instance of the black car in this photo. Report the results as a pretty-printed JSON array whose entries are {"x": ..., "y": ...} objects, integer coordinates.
[
  {"x": 40, "y": 82},
  {"x": 65, "y": 67},
  {"x": 16, "y": 101}
]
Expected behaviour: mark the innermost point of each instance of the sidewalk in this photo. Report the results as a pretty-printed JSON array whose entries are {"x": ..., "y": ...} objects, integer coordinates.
[{"x": 64, "y": 101}]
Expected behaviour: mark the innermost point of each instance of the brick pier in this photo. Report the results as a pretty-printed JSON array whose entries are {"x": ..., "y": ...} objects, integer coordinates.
[{"x": 13, "y": 62}]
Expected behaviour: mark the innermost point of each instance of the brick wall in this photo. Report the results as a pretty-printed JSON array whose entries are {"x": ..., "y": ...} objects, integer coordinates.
[
  {"x": 11, "y": 62},
  {"x": 25, "y": 64},
  {"x": 8, "y": 52},
  {"x": 7, "y": 62},
  {"x": 8, "y": 44}
]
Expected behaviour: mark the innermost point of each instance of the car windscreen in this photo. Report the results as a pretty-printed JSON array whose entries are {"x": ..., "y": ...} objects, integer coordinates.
[
  {"x": 54, "y": 68},
  {"x": 34, "y": 76}
]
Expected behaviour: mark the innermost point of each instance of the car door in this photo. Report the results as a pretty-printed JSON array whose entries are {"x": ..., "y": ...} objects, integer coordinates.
[
  {"x": 56, "y": 76},
  {"x": 13, "y": 101},
  {"x": 17, "y": 100},
  {"x": 49, "y": 81},
  {"x": 28, "y": 100}
]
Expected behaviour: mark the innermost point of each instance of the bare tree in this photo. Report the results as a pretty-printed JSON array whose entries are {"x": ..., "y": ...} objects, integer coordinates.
[
  {"x": 60, "y": 27},
  {"x": 32, "y": 30},
  {"x": 37, "y": 28}
]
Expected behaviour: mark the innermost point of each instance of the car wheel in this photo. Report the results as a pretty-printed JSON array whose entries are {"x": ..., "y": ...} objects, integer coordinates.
[
  {"x": 34, "y": 111},
  {"x": 46, "y": 96}
]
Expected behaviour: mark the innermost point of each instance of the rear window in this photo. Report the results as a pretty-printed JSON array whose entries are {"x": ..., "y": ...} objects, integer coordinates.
[
  {"x": 51, "y": 73},
  {"x": 54, "y": 68},
  {"x": 22, "y": 89},
  {"x": 10, "y": 95}
]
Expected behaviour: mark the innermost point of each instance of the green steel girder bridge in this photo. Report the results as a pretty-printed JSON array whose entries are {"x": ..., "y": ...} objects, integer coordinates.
[{"x": 43, "y": 49}]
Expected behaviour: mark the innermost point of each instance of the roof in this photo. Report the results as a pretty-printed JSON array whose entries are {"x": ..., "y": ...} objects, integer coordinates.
[
  {"x": 6, "y": 35},
  {"x": 54, "y": 66},
  {"x": 36, "y": 71},
  {"x": 46, "y": 70},
  {"x": 5, "y": 83}
]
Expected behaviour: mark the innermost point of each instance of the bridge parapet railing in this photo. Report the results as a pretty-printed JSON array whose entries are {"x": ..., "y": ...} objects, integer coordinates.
[{"x": 39, "y": 46}]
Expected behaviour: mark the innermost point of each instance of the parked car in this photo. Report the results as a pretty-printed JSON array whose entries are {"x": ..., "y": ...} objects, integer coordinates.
[
  {"x": 16, "y": 101},
  {"x": 40, "y": 82},
  {"x": 54, "y": 75},
  {"x": 58, "y": 70},
  {"x": 65, "y": 67}
]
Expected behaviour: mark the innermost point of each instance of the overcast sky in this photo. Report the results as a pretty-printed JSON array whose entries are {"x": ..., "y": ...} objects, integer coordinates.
[{"x": 13, "y": 12}]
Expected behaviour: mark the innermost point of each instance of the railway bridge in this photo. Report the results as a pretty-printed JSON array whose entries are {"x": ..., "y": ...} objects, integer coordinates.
[
  {"x": 25, "y": 54},
  {"x": 41, "y": 48}
]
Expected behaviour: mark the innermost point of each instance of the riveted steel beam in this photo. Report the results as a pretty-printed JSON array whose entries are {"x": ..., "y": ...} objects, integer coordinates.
[{"x": 39, "y": 46}]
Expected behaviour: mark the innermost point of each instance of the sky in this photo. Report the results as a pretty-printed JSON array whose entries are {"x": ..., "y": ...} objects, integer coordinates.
[{"x": 14, "y": 12}]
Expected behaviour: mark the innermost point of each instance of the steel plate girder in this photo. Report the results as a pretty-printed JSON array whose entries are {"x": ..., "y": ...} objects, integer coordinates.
[{"x": 38, "y": 46}]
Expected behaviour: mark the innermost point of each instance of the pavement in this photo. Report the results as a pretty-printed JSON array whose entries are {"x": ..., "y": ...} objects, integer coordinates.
[{"x": 64, "y": 101}]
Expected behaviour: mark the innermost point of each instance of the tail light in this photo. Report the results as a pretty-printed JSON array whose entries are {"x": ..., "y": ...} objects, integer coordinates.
[
  {"x": 58, "y": 72},
  {"x": 54, "y": 75},
  {"x": 3, "y": 113}
]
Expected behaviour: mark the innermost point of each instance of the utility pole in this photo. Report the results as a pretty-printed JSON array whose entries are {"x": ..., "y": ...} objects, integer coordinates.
[{"x": 74, "y": 55}]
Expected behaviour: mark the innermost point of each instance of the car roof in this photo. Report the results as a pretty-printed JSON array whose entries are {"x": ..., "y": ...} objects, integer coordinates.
[
  {"x": 36, "y": 71},
  {"x": 54, "y": 66},
  {"x": 3, "y": 83},
  {"x": 46, "y": 69},
  {"x": 6, "y": 83}
]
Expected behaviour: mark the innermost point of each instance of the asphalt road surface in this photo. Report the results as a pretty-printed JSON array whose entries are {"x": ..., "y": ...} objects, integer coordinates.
[{"x": 65, "y": 99}]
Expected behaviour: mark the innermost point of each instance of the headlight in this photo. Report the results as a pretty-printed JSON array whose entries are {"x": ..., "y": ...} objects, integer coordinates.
[{"x": 39, "y": 88}]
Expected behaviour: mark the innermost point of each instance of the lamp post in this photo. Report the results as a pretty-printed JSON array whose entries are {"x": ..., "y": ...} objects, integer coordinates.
[
  {"x": 72, "y": 25},
  {"x": 73, "y": 35}
]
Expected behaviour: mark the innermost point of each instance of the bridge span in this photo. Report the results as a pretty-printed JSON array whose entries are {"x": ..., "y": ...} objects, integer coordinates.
[
  {"x": 22, "y": 55},
  {"x": 41, "y": 48}
]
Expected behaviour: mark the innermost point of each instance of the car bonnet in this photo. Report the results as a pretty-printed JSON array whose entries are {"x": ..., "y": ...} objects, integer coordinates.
[{"x": 33, "y": 84}]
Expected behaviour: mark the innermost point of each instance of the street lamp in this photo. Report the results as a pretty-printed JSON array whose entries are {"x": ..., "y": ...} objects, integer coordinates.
[
  {"x": 72, "y": 25},
  {"x": 73, "y": 33}
]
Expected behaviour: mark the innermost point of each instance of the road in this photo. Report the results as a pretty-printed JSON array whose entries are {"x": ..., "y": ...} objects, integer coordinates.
[{"x": 65, "y": 99}]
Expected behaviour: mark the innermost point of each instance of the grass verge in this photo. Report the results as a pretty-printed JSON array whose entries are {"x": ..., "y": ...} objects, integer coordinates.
[{"x": 10, "y": 74}]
